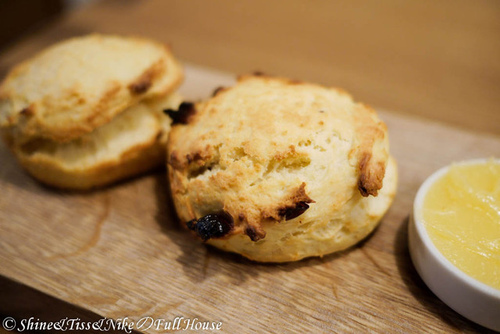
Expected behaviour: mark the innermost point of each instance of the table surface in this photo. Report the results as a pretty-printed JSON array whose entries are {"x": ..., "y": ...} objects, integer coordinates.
[
  {"x": 435, "y": 59},
  {"x": 106, "y": 254}
]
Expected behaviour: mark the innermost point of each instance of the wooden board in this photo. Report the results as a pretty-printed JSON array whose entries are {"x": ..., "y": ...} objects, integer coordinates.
[{"x": 118, "y": 252}]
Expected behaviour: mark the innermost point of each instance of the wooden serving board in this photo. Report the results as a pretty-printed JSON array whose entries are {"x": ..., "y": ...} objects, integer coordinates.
[{"x": 118, "y": 252}]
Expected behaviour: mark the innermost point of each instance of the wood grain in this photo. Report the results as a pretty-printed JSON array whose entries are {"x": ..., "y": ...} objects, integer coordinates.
[
  {"x": 118, "y": 252},
  {"x": 438, "y": 59}
]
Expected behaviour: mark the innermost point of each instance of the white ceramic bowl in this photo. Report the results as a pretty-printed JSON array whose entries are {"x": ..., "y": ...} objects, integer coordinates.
[{"x": 471, "y": 298}]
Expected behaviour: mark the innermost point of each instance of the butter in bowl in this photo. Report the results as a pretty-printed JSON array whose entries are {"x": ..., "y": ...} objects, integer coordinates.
[{"x": 454, "y": 238}]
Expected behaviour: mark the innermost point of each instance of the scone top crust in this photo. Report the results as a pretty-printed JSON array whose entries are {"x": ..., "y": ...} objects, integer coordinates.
[
  {"x": 267, "y": 149},
  {"x": 77, "y": 85}
]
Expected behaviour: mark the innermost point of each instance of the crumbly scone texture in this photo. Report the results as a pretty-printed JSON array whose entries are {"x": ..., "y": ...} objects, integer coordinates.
[
  {"x": 307, "y": 236},
  {"x": 132, "y": 143},
  {"x": 80, "y": 84},
  {"x": 269, "y": 146}
]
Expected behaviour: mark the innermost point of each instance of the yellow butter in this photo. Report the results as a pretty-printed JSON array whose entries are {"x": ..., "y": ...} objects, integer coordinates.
[{"x": 461, "y": 214}]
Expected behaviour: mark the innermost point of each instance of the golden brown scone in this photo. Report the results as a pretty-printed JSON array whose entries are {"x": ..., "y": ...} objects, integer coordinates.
[
  {"x": 74, "y": 86},
  {"x": 279, "y": 170},
  {"x": 88, "y": 111}
]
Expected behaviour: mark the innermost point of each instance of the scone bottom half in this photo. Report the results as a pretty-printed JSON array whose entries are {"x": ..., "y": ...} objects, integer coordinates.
[{"x": 278, "y": 170}]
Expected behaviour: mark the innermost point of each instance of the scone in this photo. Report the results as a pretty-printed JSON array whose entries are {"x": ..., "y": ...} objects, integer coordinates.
[
  {"x": 279, "y": 170},
  {"x": 88, "y": 111}
]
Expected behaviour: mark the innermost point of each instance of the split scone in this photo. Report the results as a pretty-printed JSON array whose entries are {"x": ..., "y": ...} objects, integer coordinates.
[
  {"x": 279, "y": 170},
  {"x": 88, "y": 111}
]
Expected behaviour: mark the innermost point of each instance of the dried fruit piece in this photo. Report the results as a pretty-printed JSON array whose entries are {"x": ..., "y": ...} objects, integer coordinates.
[
  {"x": 181, "y": 116},
  {"x": 252, "y": 233},
  {"x": 214, "y": 225},
  {"x": 294, "y": 212}
]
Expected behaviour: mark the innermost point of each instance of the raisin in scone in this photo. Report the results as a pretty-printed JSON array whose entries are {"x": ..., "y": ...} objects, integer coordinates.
[
  {"x": 87, "y": 111},
  {"x": 279, "y": 170}
]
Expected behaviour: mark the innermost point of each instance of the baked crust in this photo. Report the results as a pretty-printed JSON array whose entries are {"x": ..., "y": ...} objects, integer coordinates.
[
  {"x": 270, "y": 145},
  {"x": 80, "y": 84}
]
